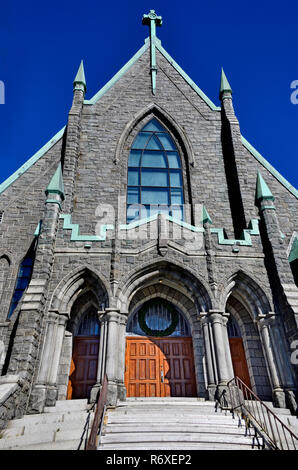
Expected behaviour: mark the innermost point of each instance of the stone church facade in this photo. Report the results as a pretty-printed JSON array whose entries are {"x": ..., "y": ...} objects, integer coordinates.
[{"x": 174, "y": 300}]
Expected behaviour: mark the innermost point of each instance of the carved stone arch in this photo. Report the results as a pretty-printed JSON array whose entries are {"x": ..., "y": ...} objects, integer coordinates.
[
  {"x": 248, "y": 292},
  {"x": 145, "y": 115},
  {"x": 77, "y": 282},
  {"x": 84, "y": 302},
  {"x": 174, "y": 275}
]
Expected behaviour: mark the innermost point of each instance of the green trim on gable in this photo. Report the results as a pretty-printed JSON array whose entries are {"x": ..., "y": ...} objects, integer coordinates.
[
  {"x": 269, "y": 167},
  {"x": 119, "y": 74},
  {"x": 32, "y": 160},
  {"x": 146, "y": 220}
]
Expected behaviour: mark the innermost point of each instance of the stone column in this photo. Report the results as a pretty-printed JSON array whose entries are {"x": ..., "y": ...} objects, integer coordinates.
[
  {"x": 112, "y": 353},
  {"x": 211, "y": 380},
  {"x": 101, "y": 357},
  {"x": 277, "y": 392},
  {"x": 121, "y": 360},
  {"x": 220, "y": 347},
  {"x": 227, "y": 346}
]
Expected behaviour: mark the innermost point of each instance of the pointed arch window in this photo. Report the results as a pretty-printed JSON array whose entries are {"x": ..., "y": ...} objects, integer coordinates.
[
  {"x": 23, "y": 279},
  {"x": 155, "y": 182}
]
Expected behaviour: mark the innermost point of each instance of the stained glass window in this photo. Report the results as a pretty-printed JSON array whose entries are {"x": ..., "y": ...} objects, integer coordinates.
[
  {"x": 158, "y": 316},
  {"x": 154, "y": 175},
  {"x": 89, "y": 325},
  {"x": 23, "y": 279}
]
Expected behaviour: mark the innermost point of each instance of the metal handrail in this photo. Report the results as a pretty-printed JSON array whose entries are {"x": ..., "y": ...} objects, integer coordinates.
[
  {"x": 99, "y": 416},
  {"x": 258, "y": 415}
]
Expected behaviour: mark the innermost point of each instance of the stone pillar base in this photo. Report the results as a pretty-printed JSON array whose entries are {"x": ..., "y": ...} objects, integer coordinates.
[
  {"x": 37, "y": 399},
  {"x": 112, "y": 394},
  {"x": 291, "y": 401},
  {"x": 279, "y": 398},
  {"x": 210, "y": 392},
  {"x": 121, "y": 392},
  {"x": 95, "y": 392}
]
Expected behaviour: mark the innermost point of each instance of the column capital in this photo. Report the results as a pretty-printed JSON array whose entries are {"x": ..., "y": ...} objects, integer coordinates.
[{"x": 264, "y": 319}]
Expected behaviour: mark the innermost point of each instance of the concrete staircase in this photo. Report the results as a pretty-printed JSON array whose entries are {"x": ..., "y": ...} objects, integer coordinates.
[
  {"x": 171, "y": 424},
  {"x": 59, "y": 428},
  {"x": 138, "y": 423}
]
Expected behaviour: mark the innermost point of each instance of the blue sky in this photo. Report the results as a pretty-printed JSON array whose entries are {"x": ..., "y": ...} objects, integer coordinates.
[{"x": 42, "y": 43}]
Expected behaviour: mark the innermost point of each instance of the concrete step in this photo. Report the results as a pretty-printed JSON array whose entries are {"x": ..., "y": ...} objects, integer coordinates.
[
  {"x": 21, "y": 429},
  {"x": 48, "y": 418},
  {"x": 168, "y": 446},
  {"x": 63, "y": 445},
  {"x": 159, "y": 437},
  {"x": 174, "y": 428},
  {"x": 69, "y": 405},
  {"x": 173, "y": 420}
]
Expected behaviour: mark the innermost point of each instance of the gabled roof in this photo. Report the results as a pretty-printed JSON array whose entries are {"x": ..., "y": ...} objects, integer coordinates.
[{"x": 111, "y": 82}]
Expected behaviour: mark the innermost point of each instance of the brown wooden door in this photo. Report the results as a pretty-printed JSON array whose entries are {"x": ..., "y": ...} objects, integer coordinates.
[
  {"x": 239, "y": 360},
  {"x": 159, "y": 367},
  {"x": 83, "y": 371}
]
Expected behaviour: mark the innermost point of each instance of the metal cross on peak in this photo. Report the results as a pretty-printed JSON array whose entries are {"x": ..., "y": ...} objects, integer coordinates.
[{"x": 152, "y": 20}]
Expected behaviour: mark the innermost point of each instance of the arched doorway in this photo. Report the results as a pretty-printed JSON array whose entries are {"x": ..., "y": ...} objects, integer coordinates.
[
  {"x": 159, "y": 359},
  {"x": 237, "y": 352},
  {"x": 83, "y": 369}
]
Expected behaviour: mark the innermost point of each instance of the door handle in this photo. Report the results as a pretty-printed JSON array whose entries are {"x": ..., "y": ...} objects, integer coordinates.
[{"x": 161, "y": 376}]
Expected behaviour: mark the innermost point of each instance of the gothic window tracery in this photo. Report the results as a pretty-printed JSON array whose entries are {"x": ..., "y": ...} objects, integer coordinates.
[{"x": 155, "y": 182}]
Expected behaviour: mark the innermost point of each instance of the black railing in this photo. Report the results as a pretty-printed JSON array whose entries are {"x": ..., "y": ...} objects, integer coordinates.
[{"x": 241, "y": 400}]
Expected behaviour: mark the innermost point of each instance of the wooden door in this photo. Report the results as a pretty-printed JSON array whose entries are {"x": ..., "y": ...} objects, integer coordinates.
[
  {"x": 83, "y": 372},
  {"x": 239, "y": 360},
  {"x": 159, "y": 367}
]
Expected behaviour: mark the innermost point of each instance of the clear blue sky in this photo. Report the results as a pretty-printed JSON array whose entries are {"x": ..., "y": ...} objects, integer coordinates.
[{"x": 42, "y": 43}]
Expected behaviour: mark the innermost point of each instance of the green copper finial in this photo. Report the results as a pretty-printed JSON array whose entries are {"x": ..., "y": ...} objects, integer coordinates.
[
  {"x": 56, "y": 185},
  {"x": 263, "y": 193},
  {"x": 224, "y": 84},
  {"x": 206, "y": 219},
  {"x": 152, "y": 20},
  {"x": 80, "y": 77}
]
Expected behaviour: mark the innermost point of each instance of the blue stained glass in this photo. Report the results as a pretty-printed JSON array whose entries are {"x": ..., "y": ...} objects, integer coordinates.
[
  {"x": 134, "y": 158},
  {"x": 154, "y": 159},
  {"x": 154, "y": 144},
  {"x": 167, "y": 142},
  {"x": 140, "y": 141},
  {"x": 133, "y": 177},
  {"x": 176, "y": 178},
  {"x": 176, "y": 196},
  {"x": 153, "y": 126},
  {"x": 132, "y": 195},
  {"x": 155, "y": 196},
  {"x": 154, "y": 177},
  {"x": 174, "y": 160}
]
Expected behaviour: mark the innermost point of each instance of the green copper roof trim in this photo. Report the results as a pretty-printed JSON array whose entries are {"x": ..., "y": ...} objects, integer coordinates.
[
  {"x": 80, "y": 76},
  {"x": 146, "y": 220},
  {"x": 245, "y": 240},
  {"x": 224, "y": 84},
  {"x": 186, "y": 77},
  {"x": 119, "y": 74},
  {"x": 56, "y": 185},
  {"x": 152, "y": 20},
  {"x": 294, "y": 250},
  {"x": 31, "y": 160},
  {"x": 37, "y": 230},
  {"x": 263, "y": 192},
  {"x": 75, "y": 229},
  {"x": 269, "y": 167}
]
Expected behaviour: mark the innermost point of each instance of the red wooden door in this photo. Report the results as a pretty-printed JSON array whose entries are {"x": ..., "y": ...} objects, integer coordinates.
[
  {"x": 159, "y": 367},
  {"x": 239, "y": 360},
  {"x": 83, "y": 372}
]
